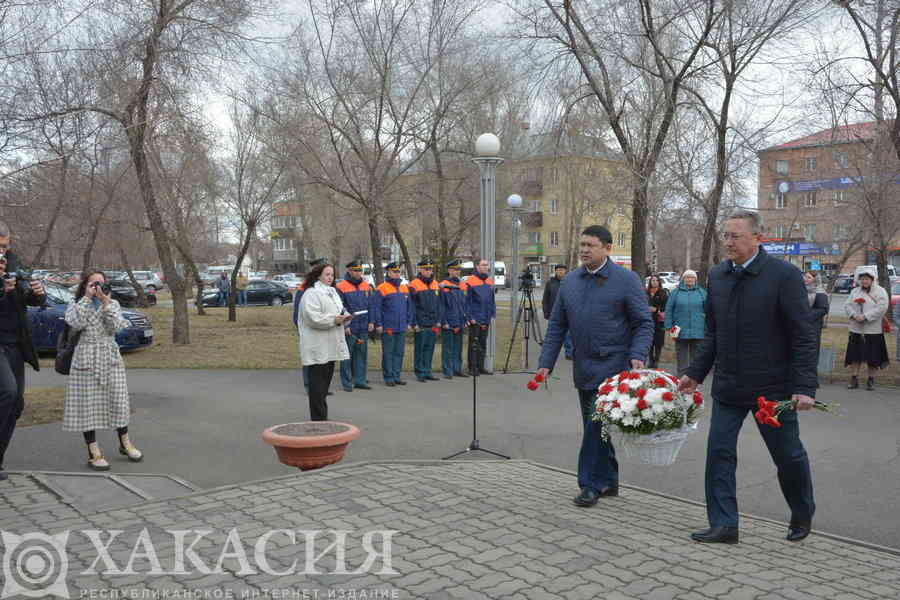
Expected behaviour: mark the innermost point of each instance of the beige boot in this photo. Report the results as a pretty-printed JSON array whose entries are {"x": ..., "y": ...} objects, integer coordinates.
[
  {"x": 96, "y": 461},
  {"x": 129, "y": 450}
]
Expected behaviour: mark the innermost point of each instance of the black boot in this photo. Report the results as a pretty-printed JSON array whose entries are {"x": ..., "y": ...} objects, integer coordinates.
[
  {"x": 854, "y": 383},
  {"x": 870, "y": 383}
]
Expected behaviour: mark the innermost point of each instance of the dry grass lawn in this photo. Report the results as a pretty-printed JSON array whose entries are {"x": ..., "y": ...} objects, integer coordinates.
[{"x": 42, "y": 405}]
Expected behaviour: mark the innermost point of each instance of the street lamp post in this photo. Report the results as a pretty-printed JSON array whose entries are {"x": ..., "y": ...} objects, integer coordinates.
[
  {"x": 514, "y": 202},
  {"x": 487, "y": 148}
]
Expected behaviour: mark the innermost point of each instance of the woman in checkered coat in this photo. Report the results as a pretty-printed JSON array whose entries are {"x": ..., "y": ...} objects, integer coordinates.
[{"x": 97, "y": 395}]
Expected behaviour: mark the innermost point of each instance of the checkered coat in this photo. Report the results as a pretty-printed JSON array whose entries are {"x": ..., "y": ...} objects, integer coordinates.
[{"x": 97, "y": 394}]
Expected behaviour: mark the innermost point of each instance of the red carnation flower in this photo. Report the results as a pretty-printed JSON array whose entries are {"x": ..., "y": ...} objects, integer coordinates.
[
  {"x": 773, "y": 421},
  {"x": 623, "y": 375},
  {"x": 435, "y": 329},
  {"x": 760, "y": 416},
  {"x": 606, "y": 389},
  {"x": 860, "y": 300},
  {"x": 761, "y": 402},
  {"x": 634, "y": 376},
  {"x": 539, "y": 378},
  {"x": 616, "y": 404},
  {"x": 623, "y": 388},
  {"x": 533, "y": 385},
  {"x": 641, "y": 393},
  {"x": 667, "y": 396},
  {"x": 672, "y": 378},
  {"x": 641, "y": 404},
  {"x": 698, "y": 398},
  {"x": 660, "y": 382}
]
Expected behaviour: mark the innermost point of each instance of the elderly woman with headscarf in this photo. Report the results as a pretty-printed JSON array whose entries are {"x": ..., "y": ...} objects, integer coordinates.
[
  {"x": 866, "y": 307},
  {"x": 686, "y": 319}
]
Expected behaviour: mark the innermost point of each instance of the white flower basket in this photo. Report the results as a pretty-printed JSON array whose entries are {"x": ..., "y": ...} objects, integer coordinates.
[{"x": 659, "y": 449}]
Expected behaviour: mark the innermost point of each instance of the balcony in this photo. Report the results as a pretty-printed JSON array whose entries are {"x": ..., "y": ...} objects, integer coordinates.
[
  {"x": 284, "y": 255},
  {"x": 533, "y": 219}
]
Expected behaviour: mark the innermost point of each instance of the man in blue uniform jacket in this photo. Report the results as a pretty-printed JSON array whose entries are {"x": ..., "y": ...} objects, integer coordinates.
[{"x": 358, "y": 298}]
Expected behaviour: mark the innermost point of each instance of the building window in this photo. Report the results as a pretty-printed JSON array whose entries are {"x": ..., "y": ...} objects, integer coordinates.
[
  {"x": 534, "y": 237},
  {"x": 283, "y": 243},
  {"x": 781, "y": 167},
  {"x": 288, "y": 222},
  {"x": 554, "y": 206},
  {"x": 841, "y": 160},
  {"x": 621, "y": 238},
  {"x": 839, "y": 197},
  {"x": 781, "y": 231},
  {"x": 839, "y": 232},
  {"x": 810, "y": 163},
  {"x": 809, "y": 231},
  {"x": 554, "y": 239},
  {"x": 535, "y": 205},
  {"x": 809, "y": 200},
  {"x": 780, "y": 200}
]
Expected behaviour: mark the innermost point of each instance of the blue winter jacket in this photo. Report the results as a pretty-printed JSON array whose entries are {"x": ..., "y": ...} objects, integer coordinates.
[
  {"x": 453, "y": 296},
  {"x": 608, "y": 318},
  {"x": 426, "y": 296},
  {"x": 395, "y": 308},
  {"x": 358, "y": 295},
  {"x": 687, "y": 309},
  {"x": 480, "y": 305},
  {"x": 298, "y": 294}
]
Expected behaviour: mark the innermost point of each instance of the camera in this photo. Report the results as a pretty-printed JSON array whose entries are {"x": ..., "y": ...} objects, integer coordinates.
[
  {"x": 526, "y": 280},
  {"x": 21, "y": 275},
  {"x": 103, "y": 286}
]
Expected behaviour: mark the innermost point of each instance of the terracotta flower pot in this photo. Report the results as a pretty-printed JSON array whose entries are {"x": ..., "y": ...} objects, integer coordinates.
[{"x": 310, "y": 444}]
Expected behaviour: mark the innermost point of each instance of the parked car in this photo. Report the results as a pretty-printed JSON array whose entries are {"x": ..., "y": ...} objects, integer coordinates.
[
  {"x": 291, "y": 280},
  {"x": 47, "y": 322},
  {"x": 149, "y": 279},
  {"x": 124, "y": 292},
  {"x": 843, "y": 284},
  {"x": 259, "y": 291},
  {"x": 895, "y": 297}
]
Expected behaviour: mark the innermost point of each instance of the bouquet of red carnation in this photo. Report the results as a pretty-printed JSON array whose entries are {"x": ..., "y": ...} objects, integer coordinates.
[
  {"x": 860, "y": 301},
  {"x": 536, "y": 382},
  {"x": 769, "y": 411}
]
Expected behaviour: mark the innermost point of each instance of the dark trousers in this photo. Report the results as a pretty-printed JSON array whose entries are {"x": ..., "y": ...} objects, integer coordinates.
[
  {"x": 423, "y": 352},
  {"x": 12, "y": 393},
  {"x": 451, "y": 352},
  {"x": 319, "y": 382},
  {"x": 305, "y": 371},
  {"x": 478, "y": 335},
  {"x": 353, "y": 370},
  {"x": 597, "y": 464},
  {"x": 659, "y": 340},
  {"x": 392, "y": 347},
  {"x": 787, "y": 452}
]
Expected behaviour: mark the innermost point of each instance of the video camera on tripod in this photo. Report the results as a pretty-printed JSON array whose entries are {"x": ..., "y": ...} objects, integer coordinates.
[{"x": 526, "y": 280}]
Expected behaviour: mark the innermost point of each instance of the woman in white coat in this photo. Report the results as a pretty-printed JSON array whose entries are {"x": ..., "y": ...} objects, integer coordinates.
[
  {"x": 322, "y": 342},
  {"x": 866, "y": 306}
]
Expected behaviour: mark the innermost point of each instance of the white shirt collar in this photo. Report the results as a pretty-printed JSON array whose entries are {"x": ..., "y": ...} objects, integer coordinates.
[{"x": 598, "y": 269}]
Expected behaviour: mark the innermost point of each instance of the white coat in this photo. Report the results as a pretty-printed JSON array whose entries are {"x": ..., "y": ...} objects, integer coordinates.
[
  {"x": 321, "y": 341},
  {"x": 875, "y": 306}
]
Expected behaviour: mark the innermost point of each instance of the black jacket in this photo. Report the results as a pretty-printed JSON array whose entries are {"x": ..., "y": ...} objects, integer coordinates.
[
  {"x": 658, "y": 300},
  {"x": 759, "y": 333},
  {"x": 24, "y": 298},
  {"x": 551, "y": 291}
]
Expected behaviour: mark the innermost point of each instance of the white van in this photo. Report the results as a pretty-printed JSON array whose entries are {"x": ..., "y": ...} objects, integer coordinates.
[
  {"x": 468, "y": 267},
  {"x": 892, "y": 272}
]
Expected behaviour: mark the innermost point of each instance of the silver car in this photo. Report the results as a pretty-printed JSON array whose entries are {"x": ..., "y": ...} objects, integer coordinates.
[{"x": 150, "y": 281}]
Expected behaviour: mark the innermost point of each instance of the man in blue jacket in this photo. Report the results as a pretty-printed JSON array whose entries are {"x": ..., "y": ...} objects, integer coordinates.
[
  {"x": 358, "y": 298},
  {"x": 453, "y": 296},
  {"x": 605, "y": 308},
  {"x": 395, "y": 316},
  {"x": 760, "y": 339},
  {"x": 481, "y": 308},
  {"x": 426, "y": 296}
]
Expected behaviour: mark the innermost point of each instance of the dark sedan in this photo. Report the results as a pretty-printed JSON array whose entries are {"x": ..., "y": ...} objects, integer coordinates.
[
  {"x": 48, "y": 321},
  {"x": 124, "y": 293},
  {"x": 259, "y": 291},
  {"x": 843, "y": 284}
]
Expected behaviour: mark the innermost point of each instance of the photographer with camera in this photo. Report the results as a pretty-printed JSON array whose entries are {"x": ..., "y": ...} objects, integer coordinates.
[
  {"x": 16, "y": 348},
  {"x": 97, "y": 393}
]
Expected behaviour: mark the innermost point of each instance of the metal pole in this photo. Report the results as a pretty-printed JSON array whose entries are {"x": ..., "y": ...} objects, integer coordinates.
[
  {"x": 488, "y": 168},
  {"x": 514, "y": 270}
]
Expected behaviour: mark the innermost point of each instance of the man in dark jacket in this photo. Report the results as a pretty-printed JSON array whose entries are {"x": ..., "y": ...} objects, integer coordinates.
[
  {"x": 426, "y": 296},
  {"x": 16, "y": 347},
  {"x": 551, "y": 290},
  {"x": 453, "y": 297},
  {"x": 759, "y": 337},
  {"x": 359, "y": 300},
  {"x": 481, "y": 308},
  {"x": 605, "y": 307}
]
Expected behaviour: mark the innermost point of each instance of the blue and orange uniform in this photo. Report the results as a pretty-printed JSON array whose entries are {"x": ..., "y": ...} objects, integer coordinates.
[
  {"x": 426, "y": 298},
  {"x": 453, "y": 303},
  {"x": 480, "y": 309},
  {"x": 358, "y": 297},
  {"x": 395, "y": 314}
]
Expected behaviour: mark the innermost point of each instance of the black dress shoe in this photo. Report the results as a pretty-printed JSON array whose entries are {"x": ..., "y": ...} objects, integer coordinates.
[
  {"x": 797, "y": 532},
  {"x": 431, "y": 378},
  {"x": 363, "y": 386},
  {"x": 854, "y": 383},
  {"x": 460, "y": 374},
  {"x": 3, "y": 475},
  {"x": 717, "y": 535},
  {"x": 870, "y": 383},
  {"x": 609, "y": 492},
  {"x": 348, "y": 389},
  {"x": 421, "y": 379},
  {"x": 400, "y": 382},
  {"x": 485, "y": 372},
  {"x": 448, "y": 376},
  {"x": 587, "y": 497},
  {"x": 389, "y": 383}
]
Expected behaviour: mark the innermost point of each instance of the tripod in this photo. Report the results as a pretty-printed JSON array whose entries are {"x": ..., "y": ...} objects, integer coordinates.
[
  {"x": 526, "y": 315},
  {"x": 474, "y": 353}
]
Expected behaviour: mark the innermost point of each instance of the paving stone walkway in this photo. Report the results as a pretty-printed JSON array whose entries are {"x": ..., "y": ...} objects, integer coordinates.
[{"x": 467, "y": 529}]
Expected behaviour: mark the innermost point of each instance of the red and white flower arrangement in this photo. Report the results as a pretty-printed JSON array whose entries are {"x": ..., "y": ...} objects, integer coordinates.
[{"x": 645, "y": 401}]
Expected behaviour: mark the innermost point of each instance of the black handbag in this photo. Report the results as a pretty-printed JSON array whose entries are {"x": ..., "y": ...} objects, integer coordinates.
[{"x": 65, "y": 349}]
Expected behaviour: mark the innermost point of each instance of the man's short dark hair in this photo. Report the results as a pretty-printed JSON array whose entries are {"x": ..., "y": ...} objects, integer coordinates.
[{"x": 600, "y": 232}]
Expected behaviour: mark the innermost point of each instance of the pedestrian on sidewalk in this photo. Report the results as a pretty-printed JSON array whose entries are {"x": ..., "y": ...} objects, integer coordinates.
[
  {"x": 97, "y": 391},
  {"x": 657, "y": 297},
  {"x": 453, "y": 296},
  {"x": 16, "y": 346},
  {"x": 818, "y": 307},
  {"x": 481, "y": 308},
  {"x": 298, "y": 296},
  {"x": 551, "y": 291},
  {"x": 359, "y": 299},
  {"x": 322, "y": 321},
  {"x": 426, "y": 298},
  {"x": 686, "y": 311},
  {"x": 866, "y": 307},
  {"x": 605, "y": 307},
  {"x": 240, "y": 285},
  {"x": 223, "y": 286},
  {"x": 760, "y": 339},
  {"x": 395, "y": 315}
]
